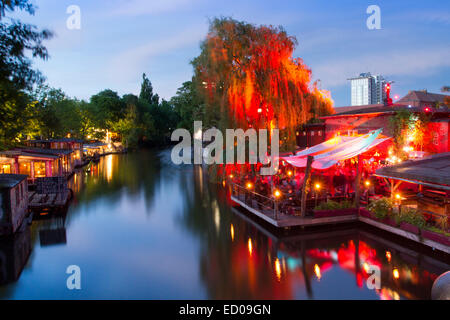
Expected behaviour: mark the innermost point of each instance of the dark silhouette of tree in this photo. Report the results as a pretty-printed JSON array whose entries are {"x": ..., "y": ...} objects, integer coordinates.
[
  {"x": 147, "y": 91},
  {"x": 18, "y": 41}
]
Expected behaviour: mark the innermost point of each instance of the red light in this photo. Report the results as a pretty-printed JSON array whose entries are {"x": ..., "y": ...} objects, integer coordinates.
[{"x": 427, "y": 109}]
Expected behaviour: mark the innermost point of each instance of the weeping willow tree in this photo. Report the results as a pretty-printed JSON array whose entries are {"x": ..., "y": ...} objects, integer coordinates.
[{"x": 247, "y": 77}]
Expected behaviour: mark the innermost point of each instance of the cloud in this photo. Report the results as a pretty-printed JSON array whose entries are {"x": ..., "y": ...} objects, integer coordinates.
[
  {"x": 438, "y": 17},
  {"x": 146, "y": 7},
  {"x": 335, "y": 72},
  {"x": 131, "y": 62}
]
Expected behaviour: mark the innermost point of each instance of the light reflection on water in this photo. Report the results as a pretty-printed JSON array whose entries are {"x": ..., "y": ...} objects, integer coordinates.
[{"x": 142, "y": 228}]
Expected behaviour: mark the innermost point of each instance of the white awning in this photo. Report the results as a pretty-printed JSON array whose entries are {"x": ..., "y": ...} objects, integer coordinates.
[{"x": 336, "y": 149}]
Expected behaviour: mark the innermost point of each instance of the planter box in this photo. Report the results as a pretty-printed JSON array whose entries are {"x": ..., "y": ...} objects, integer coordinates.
[
  {"x": 335, "y": 213},
  {"x": 389, "y": 221},
  {"x": 365, "y": 213},
  {"x": 409, "y": 227},
  {"x": 438, "y": 237}
]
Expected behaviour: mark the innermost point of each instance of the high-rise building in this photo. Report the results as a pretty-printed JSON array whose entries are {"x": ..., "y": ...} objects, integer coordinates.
[{"x": 367, "y": 89}]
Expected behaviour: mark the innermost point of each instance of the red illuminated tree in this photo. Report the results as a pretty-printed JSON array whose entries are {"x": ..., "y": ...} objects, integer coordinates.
[{"x": 248, "y": 78}]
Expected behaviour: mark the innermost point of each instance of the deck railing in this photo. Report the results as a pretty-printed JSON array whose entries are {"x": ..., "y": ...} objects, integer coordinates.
[{"x": 263, "y": 204}]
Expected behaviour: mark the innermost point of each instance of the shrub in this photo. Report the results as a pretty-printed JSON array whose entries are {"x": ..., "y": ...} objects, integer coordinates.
[
  {"x": 412, "y": 216},
  {"x": 334, "y": 205},
  {"x": 438, "y": 230},
  {"x": 381, "y": 208}
]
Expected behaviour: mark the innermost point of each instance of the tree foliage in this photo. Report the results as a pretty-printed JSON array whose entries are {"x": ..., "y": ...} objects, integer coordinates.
[{"x": 248, "y": 78}]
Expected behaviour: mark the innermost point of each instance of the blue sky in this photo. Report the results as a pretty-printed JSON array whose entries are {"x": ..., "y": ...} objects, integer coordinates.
[{"x": 121, "y": 39}]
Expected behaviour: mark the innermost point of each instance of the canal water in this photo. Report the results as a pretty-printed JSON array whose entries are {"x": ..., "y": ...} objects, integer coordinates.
[{"x": 140, "y": 227}]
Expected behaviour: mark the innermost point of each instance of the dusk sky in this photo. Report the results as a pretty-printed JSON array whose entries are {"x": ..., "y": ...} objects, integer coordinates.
[{"x": 121, "y": 39}]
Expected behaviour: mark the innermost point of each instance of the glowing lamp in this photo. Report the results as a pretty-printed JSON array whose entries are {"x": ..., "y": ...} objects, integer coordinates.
[
  {"x": 398, "y": 196},
  {"x": 231, "y": 176},
  {"x": 249, "y": 185},
  {"x": 388, "y": 256},
  {"x": 289, "y": 173},
  {"x": 427, "y": 109},
  {"x": 317, "y": 186},
  {"x": 395, "y": 273},
  {"x": 367, "y": 183},
  {"x": 277, "y": 193},
  {"x": 259, "y": 110}
]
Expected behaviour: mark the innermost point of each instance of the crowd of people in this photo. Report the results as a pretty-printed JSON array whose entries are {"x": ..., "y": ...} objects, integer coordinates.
[{"x": 337, "y": 182}]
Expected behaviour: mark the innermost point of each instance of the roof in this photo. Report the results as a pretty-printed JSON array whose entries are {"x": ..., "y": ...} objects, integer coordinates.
[
  {"x": 36, "y": 153},
  {"x": 55, "y": 152},
  {"x": 382, "y": 109},
  {"x": 433, "y": 171},
  {"x": 352, "y": 108},
  {"x": 56, "y": 140},
  {"x": 422, "y": 96},
  {"x": 11, "y": 180},
  {"x": 94, "y": 145}
]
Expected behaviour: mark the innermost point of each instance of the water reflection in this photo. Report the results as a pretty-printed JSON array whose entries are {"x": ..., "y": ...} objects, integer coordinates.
[
  {"x": 244, "y": 259},
  {"x": 14, "y": 253},
  {"x": 142, "y": 228}
]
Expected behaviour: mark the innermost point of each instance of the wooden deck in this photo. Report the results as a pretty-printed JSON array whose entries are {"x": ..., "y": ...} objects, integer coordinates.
[
  {"x": 38, "y": 201},
  {"x": 284, "y": 221}
]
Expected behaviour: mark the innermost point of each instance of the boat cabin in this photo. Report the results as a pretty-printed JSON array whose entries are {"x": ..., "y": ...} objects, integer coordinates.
[{"x": 13, "y": 202}]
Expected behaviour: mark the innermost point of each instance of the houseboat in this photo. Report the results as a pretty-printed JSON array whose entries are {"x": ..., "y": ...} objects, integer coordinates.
[
  {"x": 13, "y": 202},
  {"x": 37, "y": 163},
  {"x": 75, "y": 145}
]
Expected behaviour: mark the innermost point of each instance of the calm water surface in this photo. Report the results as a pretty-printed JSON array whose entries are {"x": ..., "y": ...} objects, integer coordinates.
[{"x": 141, "y": 228}]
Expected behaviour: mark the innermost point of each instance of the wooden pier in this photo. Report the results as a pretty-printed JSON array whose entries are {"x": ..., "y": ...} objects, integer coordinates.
[
  {"x": 285, "y": 221},
  {"x": 40, "y": 202}
]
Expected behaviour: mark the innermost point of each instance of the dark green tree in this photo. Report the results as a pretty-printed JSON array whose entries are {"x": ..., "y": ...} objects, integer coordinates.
[
  {"x": 18, "y": 42},
  {"x": 147, "y": 92},
  {"x": 188, "y": 106},
  {"x": 108, "y": 108}
]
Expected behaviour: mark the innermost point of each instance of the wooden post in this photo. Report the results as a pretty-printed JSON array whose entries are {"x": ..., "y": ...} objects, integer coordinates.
[
  {"x": 306, "y": 184},
  {"x": 358, "y": 183}
]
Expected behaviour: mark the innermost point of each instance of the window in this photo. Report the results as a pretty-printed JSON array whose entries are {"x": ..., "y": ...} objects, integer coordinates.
[
  {"x": 5, "y": 168},
  {"x": 312, "y": 133},
  {"x": 39, "y": 169},
  {"x": 319, "y": 133}
]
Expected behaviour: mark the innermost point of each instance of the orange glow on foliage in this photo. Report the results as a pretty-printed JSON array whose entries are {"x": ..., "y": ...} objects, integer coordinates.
[{"x": 250, "y": 74}]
